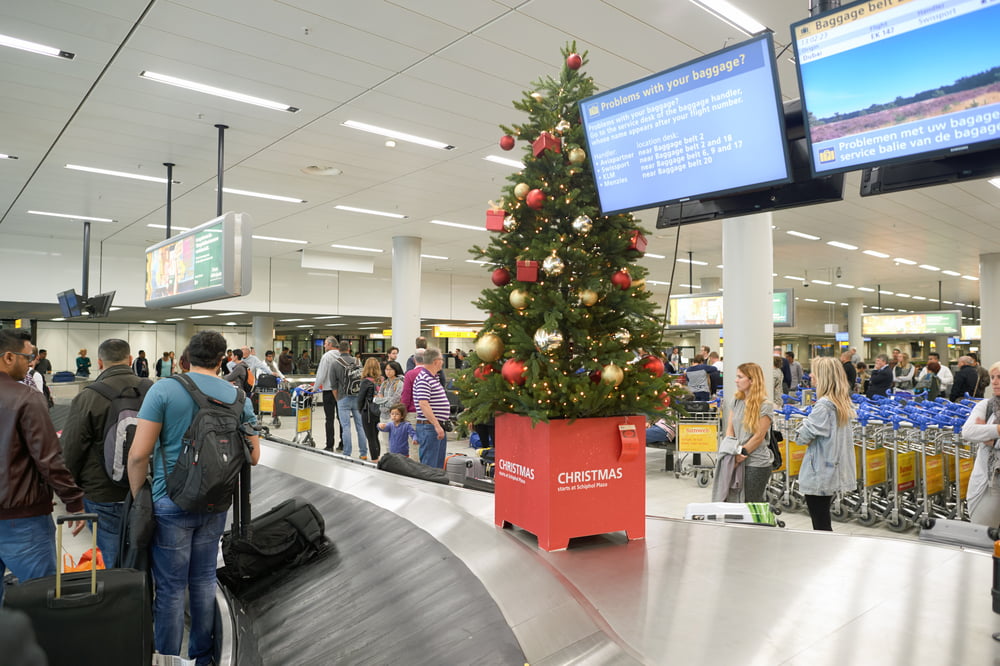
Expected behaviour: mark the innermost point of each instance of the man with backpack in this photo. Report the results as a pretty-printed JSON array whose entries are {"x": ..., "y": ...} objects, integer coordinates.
[
  {"x": 95, "y": 439},
  {"x": 192, "y": 422},
  {"x": 346, "y": 386}
]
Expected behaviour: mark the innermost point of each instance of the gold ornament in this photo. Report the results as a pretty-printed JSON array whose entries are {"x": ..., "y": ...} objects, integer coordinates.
[
  {"x": 489, "y": 348},
  {"x": 588, "y": 297},
  {"x": 577, "y": 156},
  {"x": 582, "y": 225},
  {"x": 612, "y": 374},
  {"x": 519, "y": 299},
  {"x": 562, "y": 126},
  {"x": 537, "y": 96},
  {"x": 548, "y": 341},
  {"x": 553, "y": 265},
  {"x": 622, "y": 336},
  {"x": 509, "y": 223},
  {"x": 521, "y": 190},
  {"x": 639, "y": 285}
]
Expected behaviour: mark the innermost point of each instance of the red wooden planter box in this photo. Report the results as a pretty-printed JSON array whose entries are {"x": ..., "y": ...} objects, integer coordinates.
[{"x": 559, "y": 480}]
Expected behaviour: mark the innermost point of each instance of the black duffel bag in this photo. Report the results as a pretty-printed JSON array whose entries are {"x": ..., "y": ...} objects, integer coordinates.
[
  {"x": 397, "y": 463},
  {"x": 287, "y": 536}
]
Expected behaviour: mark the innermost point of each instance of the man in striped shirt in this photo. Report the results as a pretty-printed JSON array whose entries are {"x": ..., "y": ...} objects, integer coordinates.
[{"x": 432, "y": 409}]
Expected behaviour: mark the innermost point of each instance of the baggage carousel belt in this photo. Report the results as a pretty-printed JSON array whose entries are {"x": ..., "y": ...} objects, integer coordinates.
[{"x": 387, "y": 592}]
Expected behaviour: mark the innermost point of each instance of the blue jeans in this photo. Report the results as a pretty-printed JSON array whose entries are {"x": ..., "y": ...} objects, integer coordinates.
[
  {"x": 109, "y": 527},
  {"x": 347, "y": 407},
  {"x": 432, "y": 449},
  {"x": 184, "y": 552},
  {"x": 28, "y": 548}
]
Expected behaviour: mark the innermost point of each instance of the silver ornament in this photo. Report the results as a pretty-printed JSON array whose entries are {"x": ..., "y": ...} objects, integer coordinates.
[
  {"x": 553, "y": 265},
  {"x": 548, "y": 341},
  {"x": 509, "y": 223},
  {"x": 622, "y": 336},
  {"x": 582, "y": 225}
]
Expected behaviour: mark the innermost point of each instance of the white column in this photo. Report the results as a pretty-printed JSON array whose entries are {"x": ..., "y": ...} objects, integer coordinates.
[
  {"x": 941, "y": 347},
  {"x": 183, "y": 333},
  {"x": 856, "y": 308},
  {"x": 747, "y": 254},
  {"x": 405, "y": 293},
  {"x": 710, "y": 336},
  {"x": 262, "y": 334},
  {"x": 989, "y": 300}
]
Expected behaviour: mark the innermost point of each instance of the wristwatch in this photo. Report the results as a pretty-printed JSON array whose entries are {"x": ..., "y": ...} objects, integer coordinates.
[{"x": 744, "y": 452}]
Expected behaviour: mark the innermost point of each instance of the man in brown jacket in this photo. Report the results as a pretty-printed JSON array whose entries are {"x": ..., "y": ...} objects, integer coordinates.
[{"x": 31, "y": 467}]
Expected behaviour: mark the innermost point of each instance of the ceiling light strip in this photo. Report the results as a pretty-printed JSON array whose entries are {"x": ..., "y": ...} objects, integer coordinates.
[
  {"x": 393, "y": 134},
  {"x": 71, "y": 217},
  {"x": 217, "y": 92},
  {"x": 119, "y": 174},
  {"x": 34, "y": 47},
  {"x": 368, "y": 211}
]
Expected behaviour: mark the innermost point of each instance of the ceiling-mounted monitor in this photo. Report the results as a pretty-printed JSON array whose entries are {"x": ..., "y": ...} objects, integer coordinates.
[
  {"x": 69, "y": 303},
  {"x": 913, "y": 324},
  {"x": 211, "y": 261},
  {"x": 705, "y": 310},
  {"x": 899, "y": 80},
  {"x": 100, "y": 305},
  {"x": 707, "y": 127}
]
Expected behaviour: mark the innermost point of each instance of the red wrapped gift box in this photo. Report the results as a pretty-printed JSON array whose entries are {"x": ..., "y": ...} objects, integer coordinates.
[
  {"x": 637, "y": 242},
  {"x": 527, "y": 271},
  {"x": 546, "y": 140},
  {"x": 494, "y": 220}
]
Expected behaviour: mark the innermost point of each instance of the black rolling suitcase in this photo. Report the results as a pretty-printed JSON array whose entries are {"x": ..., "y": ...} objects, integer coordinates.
[{"x": 90, "y": 617}]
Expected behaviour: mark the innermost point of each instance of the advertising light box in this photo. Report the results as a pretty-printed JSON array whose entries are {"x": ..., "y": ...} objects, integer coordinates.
[
  {"x": 705, "y": 310},
  {"x": 710, "y": 126},
  {"x": 972, "y": 332},
  {"x": 899, "y": 80},
  {"x": 940, "y": 322},
  {"x": 212, "y": 261}
]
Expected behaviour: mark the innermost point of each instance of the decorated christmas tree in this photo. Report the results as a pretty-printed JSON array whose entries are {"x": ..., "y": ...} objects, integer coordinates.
[{"x": 569, "y": 308}]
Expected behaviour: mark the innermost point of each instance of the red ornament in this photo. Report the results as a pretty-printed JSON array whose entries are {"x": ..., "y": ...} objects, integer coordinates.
[
  {"x": 513, "y": 371},
  {"x": 637, "y": 242},
  {"x": 622, "y": 279},
  {"x": 507, "y": 142},
  {"x": 500, "y": 277},
  {"x": 527, "y": 271},
  {"x": 665, "y": 399},
  {"x": 483, "y": 371},
  {"x": 546, "y": 141},
  {"x": 574, "y": 61},
  {"x": 595, "y": 376},
  {"x": 653, "y": 365},
  {"x": 494, "y": 220},
  {"x": 535, "y": 199}
]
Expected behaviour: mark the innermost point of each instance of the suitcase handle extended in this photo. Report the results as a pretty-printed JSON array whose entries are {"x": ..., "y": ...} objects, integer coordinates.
[{"x": 69, "y": 518}]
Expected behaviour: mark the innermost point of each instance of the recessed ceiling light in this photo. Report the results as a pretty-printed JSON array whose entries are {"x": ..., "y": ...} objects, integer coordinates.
[
  {"x": 304, "y": 326},
  {"x": 4, "y": 156},
  {"x": 316, "y": 170},
  {"x": 281, "y": 240},
  {"x": 369, "y": 322},
  {"x": 355, "y": 247},
  {"x": 829, "y": 302},
  {"x": 506, "y": 161},
  {"x": 433, "y": 256},
  {"x": 802, "y": 235},
  {"x": 476, "y": 261},
  {"x": 172, "y": 227},
  {"x": 231, "y": 323},
  {"x": 970, "y": 277},
  {"x": 654, "y": 256},
  {"x": 811, "y": 300},
  {"x": 114, "y": 309},
  {"x": 875, "y": 253},
  {"x": 261, "y": 195},
  {"x": 951, "y": 273},
  {"x": 58, "y": 319},
  {"x": 901, "y": 260},
  {"x": 886, "y": 292},
  {"x": 795, "y": 277},
  {"x": 71, "y": 217},
  {"x": 457, "y": 225},
  {"x": 367, "y": 328},
  {"x": 292, "y": 319},
  {"x": 368, "y": 211},
  {"x": 175, "y": 319},
  {"x": 657, "y": 282},
  {"x": 865, "y": 289},
  {"x": 32, "y": 47},
  {"x": 390, "y": 143},
  {"x": 919, "y": 298},
  {"x": 199, "y": 317},
  {"x": 845, "y": 286},
  {"x": 692, "y": 261},
  {"x": 842, "y": 246},
  {"x": 393, "y": 134},
  {"x": 329, "y": 317},
  {"x": 961, "y": 305},
  {"x": 947, "y": 302},
  {"x": 732, "y": 15},
  {"x": 230, "y": 314},
  {"x": 147, "y": 321},
  {"x": 691, "y": 286},
  {"x": 119, "y": 174},
  {"x": 218, "y": 92},
  {"x": 995, "y": 182},
  {"x": 718, "y": 266},
  {"x": 822, "y": 282},
  {"x": 928, "y": 267},
  {"x": 902, "y": 295}
]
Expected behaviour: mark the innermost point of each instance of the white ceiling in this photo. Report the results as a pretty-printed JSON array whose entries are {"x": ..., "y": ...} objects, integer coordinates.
[{"x": 439, "y": 69}]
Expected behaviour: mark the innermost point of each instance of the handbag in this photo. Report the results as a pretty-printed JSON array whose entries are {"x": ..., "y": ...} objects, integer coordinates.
[{"x": 774, "y": 440}]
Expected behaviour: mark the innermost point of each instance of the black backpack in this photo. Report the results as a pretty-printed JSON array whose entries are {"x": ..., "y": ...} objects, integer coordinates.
[
  {"x": 119, "y": 426},
  {"x": 213, "y": 452},
  {"x": 285, "y": 537},
  {"x": 353, "y": 373}
]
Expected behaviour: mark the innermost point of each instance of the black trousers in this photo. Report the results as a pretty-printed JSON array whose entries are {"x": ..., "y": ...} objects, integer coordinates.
[
  {"x": 370, "y": 426},
  {"x": 330, "y": 412},
  {"x": 819, "y": 511}
]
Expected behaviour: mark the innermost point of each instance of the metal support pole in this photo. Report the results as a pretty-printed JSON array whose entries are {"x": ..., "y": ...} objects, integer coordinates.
[
  {"x": 170, "y": 186},
  {"x": 86, "y": 260},
  {"x": 218, "y": 200},
  {"x": 690, "y": 273}
]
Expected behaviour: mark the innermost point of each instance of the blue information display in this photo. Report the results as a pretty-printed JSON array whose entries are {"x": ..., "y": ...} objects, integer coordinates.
[
  {"x": 895, "y": 80},
  {"x": 708, "y": 127}
]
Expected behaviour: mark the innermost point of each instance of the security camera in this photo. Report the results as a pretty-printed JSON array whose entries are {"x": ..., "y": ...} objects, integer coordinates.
[
  {"x": 840, "y": 273},
  {"x": 805, "y": 283}
]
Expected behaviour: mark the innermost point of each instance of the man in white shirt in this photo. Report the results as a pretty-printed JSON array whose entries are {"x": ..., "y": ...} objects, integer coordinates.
[
  {"x": 715, "y": 361},
  {"x": 325, "y": 383},
  {"x": 944, "y": 374},
  {"x": 255, "y": 365}
]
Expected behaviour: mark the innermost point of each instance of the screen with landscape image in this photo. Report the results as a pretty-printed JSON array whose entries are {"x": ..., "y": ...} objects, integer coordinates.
[{"x": 896, "y": 80}]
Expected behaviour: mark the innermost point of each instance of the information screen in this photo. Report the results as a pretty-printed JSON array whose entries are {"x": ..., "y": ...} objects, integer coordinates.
[
  {"x": 895, "y": 80},
  {"x": 711, "y": 126},
  {"x": 972, "y": 332},
  {"x": 941, "y": 322},
  {"x": 705, "y": 310},
  {"x": 209, "y": 262}
]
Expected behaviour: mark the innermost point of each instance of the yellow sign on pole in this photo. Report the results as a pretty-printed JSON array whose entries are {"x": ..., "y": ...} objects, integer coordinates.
[
  {"x": 935, "y": 474},
  {"x": 698, "y": 437},
  {"x": 303, "y": 420},
  {"x": 266, "y": 403}
]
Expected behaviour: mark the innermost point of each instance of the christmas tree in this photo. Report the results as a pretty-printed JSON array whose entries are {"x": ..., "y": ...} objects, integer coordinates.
[{"x": 569, "y": 305}]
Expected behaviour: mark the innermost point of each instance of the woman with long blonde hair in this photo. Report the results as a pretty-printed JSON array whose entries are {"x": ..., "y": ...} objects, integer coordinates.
[
  {"x": 749, "y": 420},
  {"x": 371, "y": 377},
  {"x": 828, "y": 465}
]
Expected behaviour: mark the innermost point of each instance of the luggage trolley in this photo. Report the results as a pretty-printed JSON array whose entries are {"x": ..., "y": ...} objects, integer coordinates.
[
  {"x": 302, "y": 403},
  {"x": 266, "y": 388},
  {"x": 698, "y": 435}
]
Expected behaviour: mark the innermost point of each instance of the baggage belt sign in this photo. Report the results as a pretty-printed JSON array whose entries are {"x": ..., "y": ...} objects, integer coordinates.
[
  {"x": 876, "y": 464},
  {"x": 935, "y": 474},
  {"x": 303, "y": 420},
  {"x": 266, "y": 402},
  {"x": 698, "y": 437},
  {"x": 906, "y": 471}
]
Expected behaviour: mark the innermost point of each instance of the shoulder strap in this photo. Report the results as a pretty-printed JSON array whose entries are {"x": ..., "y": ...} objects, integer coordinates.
[
  {"x": 103, "y": 389},
  {"x": 200, "y": 399}
]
